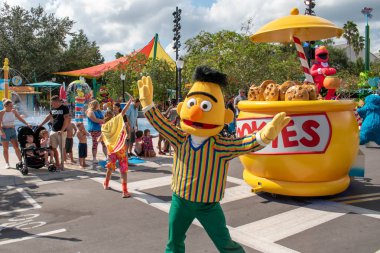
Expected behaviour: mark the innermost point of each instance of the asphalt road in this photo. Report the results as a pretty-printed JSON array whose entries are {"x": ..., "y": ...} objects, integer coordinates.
[{"x": 70, "y": 212}]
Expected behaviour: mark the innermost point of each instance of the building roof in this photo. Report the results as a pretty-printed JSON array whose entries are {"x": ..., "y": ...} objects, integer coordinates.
[
  {"x": 351, "y": 53},
  {"x": 23, "y": 90}
]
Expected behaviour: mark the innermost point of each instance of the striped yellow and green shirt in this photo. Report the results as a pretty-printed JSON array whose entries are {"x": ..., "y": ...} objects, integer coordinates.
[{"x": 200, "y": 174}]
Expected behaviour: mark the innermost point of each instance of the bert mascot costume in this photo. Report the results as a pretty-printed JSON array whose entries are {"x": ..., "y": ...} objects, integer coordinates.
[{"x": 201, "y": 156}]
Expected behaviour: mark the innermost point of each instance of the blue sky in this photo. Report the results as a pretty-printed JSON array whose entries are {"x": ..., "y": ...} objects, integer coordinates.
[
  {"x": 202, "y": 3},
  {"x": 126, "y": 25}
]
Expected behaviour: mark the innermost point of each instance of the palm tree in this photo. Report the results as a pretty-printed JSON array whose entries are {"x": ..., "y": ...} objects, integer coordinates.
[
  {"x": 358, "y": 44},
  {"x": 351, "y": 33}
]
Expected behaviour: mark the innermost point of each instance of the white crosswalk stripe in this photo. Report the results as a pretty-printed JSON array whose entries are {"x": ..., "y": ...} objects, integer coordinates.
[
  {"x": 258, "y": 243},
  {"x": 292, "y": 222},
  {"x": 260, "y": 235},
  {"x": 150, "y": 183},
  {"x": 236, "y": 193}
]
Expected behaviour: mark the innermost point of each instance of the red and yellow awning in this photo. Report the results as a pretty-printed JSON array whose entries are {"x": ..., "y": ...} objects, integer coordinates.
[{"x": 152, "y": 50}]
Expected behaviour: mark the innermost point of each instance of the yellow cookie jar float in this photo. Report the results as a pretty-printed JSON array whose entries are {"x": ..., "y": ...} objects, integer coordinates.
[{"x": 312, "y": 155}]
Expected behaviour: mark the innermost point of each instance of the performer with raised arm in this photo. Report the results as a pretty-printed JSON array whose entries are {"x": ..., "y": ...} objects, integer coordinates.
[
  {"x": 114, "y": 135},
  {"x": 202, "y": 155}
]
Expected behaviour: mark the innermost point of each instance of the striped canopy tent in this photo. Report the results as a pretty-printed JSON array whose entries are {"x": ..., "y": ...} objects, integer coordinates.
[{"x": 152, "y": 50}]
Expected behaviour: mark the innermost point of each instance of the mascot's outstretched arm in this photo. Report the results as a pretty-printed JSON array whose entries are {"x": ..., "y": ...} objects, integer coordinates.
[
  {"x": 171, "y": 133},
  {"x": 273, "y": 128},
  {"x": 145, "y": 91}
]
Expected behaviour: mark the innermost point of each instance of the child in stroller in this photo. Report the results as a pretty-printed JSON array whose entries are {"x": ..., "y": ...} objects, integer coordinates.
[
  {"x": 44, "y": 143},
  {"x": 33, "y": 155}
]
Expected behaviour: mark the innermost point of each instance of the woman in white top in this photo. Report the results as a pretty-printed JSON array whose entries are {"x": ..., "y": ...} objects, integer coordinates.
[{"x": 7, "y": 129}]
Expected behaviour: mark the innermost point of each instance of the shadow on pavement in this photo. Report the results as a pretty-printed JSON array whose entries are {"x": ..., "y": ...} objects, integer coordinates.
[
  {"x": 360, "y": 193},
  {"x": 14, "y": 233},
  {"x": 152, "y": 170}
]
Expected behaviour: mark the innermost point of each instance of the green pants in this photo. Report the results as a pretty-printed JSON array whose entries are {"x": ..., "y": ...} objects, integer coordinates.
[{"x": 210, "y": 215}]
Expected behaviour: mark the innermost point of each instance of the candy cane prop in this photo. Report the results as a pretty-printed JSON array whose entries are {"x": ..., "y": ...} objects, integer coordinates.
[
  {"x": 358, "y": 118},
  {"x": 302, "y": 57}
]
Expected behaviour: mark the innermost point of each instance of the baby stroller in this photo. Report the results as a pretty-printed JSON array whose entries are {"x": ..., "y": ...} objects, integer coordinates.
[{"x": 31, "y": 157}]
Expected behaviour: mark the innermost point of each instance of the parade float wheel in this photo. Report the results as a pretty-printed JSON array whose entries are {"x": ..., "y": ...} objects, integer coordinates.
[
  {"x": 24, "y": 170},
  {"x": 52, "y": 168}
]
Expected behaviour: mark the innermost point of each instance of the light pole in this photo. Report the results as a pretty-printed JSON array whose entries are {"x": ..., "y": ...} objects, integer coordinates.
[
  {"x": 122, "y": 78},
  {"x": 310, "y": 5},
  {"x": 177, "y": 44},
  {"x": 179, "y": 64},
  {"x": 367, "y": 13},
  {"x": 53, "y": 79}
]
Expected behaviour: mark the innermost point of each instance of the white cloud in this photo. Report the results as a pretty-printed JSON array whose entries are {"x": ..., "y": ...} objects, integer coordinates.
[{"x": 127, "y": 25}]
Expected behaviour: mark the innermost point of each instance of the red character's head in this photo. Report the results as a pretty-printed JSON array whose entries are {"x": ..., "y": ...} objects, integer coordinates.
[{"x": 321, "y": 54}]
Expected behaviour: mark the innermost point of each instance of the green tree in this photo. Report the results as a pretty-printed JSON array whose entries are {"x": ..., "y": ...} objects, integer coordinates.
[
  {"x": 349, "y": 84},
  {"x": 328, "y": 42},
  {"x": 354, "y": 40},
  {"x": 244, "y": 62},
  {"x": 350, "y": 31},
  {"x": 347, "y": 70},
  {"x": 358, "y": 44},
  {"x": 338, "y": 58},
  {"x": 136, "y": 66},
  {"x": 33, "y": 40},
  {"x": 247, "y": 26},
  {"x": 81, "y": 53},
  {"x": 118, "y": 55},
  {"x": 131, "y": 67},
  {"x": 163, "y": 78}
]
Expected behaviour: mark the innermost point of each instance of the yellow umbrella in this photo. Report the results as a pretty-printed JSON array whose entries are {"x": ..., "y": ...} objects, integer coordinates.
[
  {"x": 296, "y": 28},
  {"x": 304, "y": 27}
]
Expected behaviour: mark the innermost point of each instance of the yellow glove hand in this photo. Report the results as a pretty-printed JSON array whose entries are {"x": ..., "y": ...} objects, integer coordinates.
[
  {"x": 145, "y": 91},
  {"x": 273, "y": 128}
]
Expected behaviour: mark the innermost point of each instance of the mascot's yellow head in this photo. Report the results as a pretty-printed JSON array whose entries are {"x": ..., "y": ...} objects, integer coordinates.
[{"x": 203, "y": 111}]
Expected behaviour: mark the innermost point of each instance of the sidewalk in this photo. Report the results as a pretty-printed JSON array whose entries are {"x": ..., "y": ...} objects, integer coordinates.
[{"x": 13, "y": 177}]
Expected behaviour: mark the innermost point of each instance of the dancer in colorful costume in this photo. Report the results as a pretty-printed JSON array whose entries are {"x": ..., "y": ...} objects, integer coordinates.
[
  {"x": 114, "y": 135},
  {"x": 321, "y": 69},
  {"x": 202, "y": 155}
]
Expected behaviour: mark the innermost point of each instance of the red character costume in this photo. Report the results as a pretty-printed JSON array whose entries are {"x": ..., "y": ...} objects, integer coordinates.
[{"x": 321, "y": 69}]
